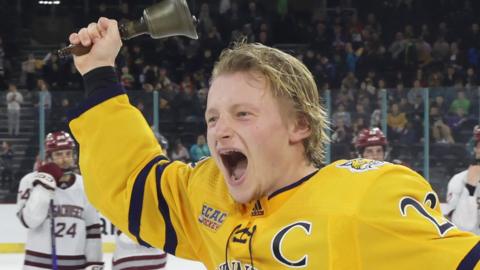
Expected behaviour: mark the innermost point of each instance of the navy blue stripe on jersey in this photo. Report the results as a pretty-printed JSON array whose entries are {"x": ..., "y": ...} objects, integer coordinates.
[
  {"x": 136, "y": 202},
  {"x": 170, "y": 233},
  {"x": 292, "y": 185},
  {"x": 92, "y": 101},
  {"x": 472, "y": 258}
]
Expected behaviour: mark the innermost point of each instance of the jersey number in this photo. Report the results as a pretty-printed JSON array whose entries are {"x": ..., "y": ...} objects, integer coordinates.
[
  {"x": 61, "y": 231},
  {"x": 25, "y": 195},
  {"x": 431, "y": 199}
]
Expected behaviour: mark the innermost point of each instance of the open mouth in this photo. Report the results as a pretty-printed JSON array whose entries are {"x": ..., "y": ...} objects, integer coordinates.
[{"x": 235, "y": 162}]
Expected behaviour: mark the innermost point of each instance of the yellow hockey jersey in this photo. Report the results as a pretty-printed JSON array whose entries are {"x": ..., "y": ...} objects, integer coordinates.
[{"x": 352, "y": 214}]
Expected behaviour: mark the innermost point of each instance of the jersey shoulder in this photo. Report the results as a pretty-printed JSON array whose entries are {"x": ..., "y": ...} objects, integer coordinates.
[
  {"x": 27, "y": 179},
  {"x": 205, "y": 168},
  {"x": 369, "y": 170},
  {"x": 355, "y": 179},
  {"x": 459, "y": 179}
]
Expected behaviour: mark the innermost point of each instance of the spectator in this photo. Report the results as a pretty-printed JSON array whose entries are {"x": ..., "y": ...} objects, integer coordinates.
[
  {"x": 161, "y": 140},
  {"x": 14, "y": 101},
  {"x": 6, "y": 165},
  {"x": 396, "y": 121},
  {"x": 440, "y": 50},
  {"x": 29, "y": 71},
  {"x": 472, "y": 79},
  {"x": 358, "y": 125},
  {"x": 398, "y": 46},
  {"x": 127, "y": 78},
  {"x": 341, "y": 115},
  {"x": 460, "y": 102},
  {"x": 352, "y": 57},
  {"x": 424, "y": 52},
  {"x": 341, "y": 132},
  {"x": 60, "y": 115},
  {"x": 415, "y": 92},
  {"x": 149, "y": 75},
  {"x": 200, "y": 149},
  {"x": 360, "y": 113},
  {"x": 47, "y": 105},
  {"x": 180, "y": 152},
  {"x": 163, "y": 80},
  {"x": 397, "y": 93},
  {"x": 409, "y": 135},
  {"x": 440, "y": 103},
  {"x": 451, "y": 76},
  {"x": 205, "y": 19},
  {"x": 441, "y": 132},
  {"x": 456, "y": 120},
  {"x": 376, "y": 118},
  {"x": 349, "y": 82},
  {"x": 404, "y": 106}
]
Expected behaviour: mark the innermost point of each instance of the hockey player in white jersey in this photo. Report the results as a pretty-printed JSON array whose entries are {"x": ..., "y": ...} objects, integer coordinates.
[
  {"x": 66, "y": 233},
  {"x": 463, "y": 196},
  {"x": 130, "y": 255}
]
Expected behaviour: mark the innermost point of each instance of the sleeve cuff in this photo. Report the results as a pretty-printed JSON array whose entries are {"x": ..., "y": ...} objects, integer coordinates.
[
  {"x": 100, "y": 84},
  {"x": 99, "y": 78}
]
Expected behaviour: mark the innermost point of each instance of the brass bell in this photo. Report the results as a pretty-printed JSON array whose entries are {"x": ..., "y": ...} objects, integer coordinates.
[{"x": 164, "y": 19}]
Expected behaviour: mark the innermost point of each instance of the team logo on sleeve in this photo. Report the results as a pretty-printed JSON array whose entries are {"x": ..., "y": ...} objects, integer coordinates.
[
  {"x": 212, "y": 218},
  {"x": 361, "y": 165}
]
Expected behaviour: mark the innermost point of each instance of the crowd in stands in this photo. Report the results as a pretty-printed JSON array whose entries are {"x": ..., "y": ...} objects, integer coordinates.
[{"x": 355, "y": 49}]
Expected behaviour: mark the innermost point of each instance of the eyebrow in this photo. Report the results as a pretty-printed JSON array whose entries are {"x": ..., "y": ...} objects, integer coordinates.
[
  {"x": 233, "y": 107},
  {"x": 211, "y": 111}
]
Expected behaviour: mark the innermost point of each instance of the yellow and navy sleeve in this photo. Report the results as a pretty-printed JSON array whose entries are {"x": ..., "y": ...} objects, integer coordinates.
[
  {"x": 401, "y": 213},
  {"x": 126, "y": 175}
]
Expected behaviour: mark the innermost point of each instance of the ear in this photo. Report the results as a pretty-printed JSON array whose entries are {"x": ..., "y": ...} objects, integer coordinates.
[{"x": 299, "y": 129}]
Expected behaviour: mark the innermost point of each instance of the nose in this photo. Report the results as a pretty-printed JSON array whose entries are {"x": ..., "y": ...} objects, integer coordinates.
[
  {"x": 62, "y": 159},
  {"x": 223, "y": 129}
]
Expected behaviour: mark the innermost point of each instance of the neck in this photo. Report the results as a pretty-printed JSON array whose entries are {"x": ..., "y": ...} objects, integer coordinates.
[{"x": 291, "y": 172}]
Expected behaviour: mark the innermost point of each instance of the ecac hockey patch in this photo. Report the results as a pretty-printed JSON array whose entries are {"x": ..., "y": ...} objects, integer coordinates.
[
  {"x": 361, "y": 165},
  {"x": 212, "y": 218}
]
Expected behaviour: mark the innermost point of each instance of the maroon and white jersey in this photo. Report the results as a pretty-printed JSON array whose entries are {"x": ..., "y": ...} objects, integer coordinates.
[
  {"x": 76, "y": 229},
  {"x": 463, "y": 208},
  {"x": 130, "y": 255}
]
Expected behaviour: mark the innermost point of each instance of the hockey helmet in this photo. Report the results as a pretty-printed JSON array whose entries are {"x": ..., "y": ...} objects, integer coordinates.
[
  {"x": 59, "y": 140},
  {"x": 370, "y": 137}
]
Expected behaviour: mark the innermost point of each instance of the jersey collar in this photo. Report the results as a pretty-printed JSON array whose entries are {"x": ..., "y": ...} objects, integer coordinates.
[{"x": 267, "y": 204}]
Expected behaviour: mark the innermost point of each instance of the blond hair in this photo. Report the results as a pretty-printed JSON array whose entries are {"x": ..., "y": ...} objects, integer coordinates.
[{"x": 288, "y": 78}]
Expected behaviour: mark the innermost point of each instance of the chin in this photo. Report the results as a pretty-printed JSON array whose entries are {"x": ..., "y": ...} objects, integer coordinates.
[
  {"x": 243, "y": 194},
  {"x": 241, "y": 197},
  {"x": 239, "y": 193}
]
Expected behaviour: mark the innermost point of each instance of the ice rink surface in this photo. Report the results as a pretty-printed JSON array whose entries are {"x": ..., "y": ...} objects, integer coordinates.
[{"x": 15, "y": 262}]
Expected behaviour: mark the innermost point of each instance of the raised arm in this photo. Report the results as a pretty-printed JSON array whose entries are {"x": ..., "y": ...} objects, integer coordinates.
[{"x": 126, "y": 176}]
